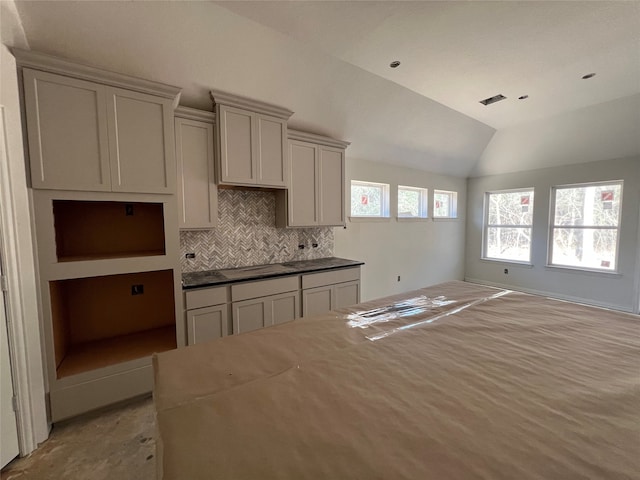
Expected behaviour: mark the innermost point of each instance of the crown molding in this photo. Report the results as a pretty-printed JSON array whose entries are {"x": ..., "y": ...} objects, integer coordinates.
[
  {"x": 194, "y": 114},
  {"x": 61, "y": 66},
  {"x": 315, "y": 138},
  {"x": 228, "y": 99}
]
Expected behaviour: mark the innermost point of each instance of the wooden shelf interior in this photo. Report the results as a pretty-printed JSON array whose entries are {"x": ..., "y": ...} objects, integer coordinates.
[
  {"x": 91, "y": 230},
  {"x": 102, "y": 353},
  {"x": 98, "y": 321}
]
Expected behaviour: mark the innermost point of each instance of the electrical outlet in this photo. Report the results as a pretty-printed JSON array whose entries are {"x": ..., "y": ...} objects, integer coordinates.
[
  {"x": 314, "y": 245},
  {"x": 398, "y": 277},
  {"x": 137, "y": 289},
  {"x": 506, "y": 271},
  {"x": 190, "y": 255},
  {"x": 301, "y": 246},
  {"x": 128, "y": 209}
]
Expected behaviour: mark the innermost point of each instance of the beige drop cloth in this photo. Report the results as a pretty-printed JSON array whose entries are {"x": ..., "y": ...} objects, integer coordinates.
[{"x": 495, "y": 387}]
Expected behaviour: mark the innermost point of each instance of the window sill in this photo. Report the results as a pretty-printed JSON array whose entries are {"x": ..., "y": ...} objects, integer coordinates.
[
  {"x": 412, "y": 219},
  {"x": 369, "y": 219},
  {"x": 586, "y": 271},
  {"x": 444, "y": 219},
  {"x": 508, "y": 262}
]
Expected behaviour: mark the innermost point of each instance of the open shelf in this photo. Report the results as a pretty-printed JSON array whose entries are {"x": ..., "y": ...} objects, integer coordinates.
[
  {"x": 100, "y": 321},
  {"x": 102, "y": 353},
  {"x": 92, "y": 230}
]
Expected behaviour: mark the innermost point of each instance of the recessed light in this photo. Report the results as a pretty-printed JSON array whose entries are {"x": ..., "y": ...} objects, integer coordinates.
[
  {"x": 394, "y": 64},
  {"x": 588, "y": 76},
  {"x": 523, "y": 97}
]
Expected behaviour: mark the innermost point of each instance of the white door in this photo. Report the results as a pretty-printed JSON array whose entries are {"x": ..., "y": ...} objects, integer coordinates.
[{"x": 8, "y": 426}]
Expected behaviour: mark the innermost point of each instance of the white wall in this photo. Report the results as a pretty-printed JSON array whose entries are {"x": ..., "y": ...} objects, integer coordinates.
[
  {"x": 605, "y": 289},
  {"x": 18, "y": 247},
  {"x": 421, "y": 252}
]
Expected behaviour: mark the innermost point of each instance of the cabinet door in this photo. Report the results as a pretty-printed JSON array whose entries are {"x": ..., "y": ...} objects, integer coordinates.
[
  {"x": 331, "y": 186},
  {"x": 197, "y": 191},
  {"x": 346, "y": 294},
  {"x": 316, "y": 301},
  {"x": 204, "y": 324},
  {"x": 140, "y": 142},
  {"x": 250, "y": 315},
  {"x": 67, "y": 132},
  {"x": 284, "y": 307},
  {"x": 303, "y": 188},
  {"x": 236, "y": 162},
  {"x": 271, "y": 151}
]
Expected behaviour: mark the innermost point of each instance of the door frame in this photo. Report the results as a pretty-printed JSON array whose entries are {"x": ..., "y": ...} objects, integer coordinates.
[
  {"x": 5, "y": 326},
  {"x": 22, "y": 301},
  {"x": 636, "y": 300}
]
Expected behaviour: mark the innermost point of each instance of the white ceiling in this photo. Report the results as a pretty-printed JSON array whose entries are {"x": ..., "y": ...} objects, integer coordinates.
[
  {"x": 459, "y": 53},
  {"x": 328, "y": 61}
]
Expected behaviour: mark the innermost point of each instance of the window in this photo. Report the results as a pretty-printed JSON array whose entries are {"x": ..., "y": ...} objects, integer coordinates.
[
  {"x": 445, "y": 204},
  {"x": 369, "y": 199},
  {"x": 412, "y": 202},
  {"x": 586, "y": 220},
  {"x": 508, "y": 225}
]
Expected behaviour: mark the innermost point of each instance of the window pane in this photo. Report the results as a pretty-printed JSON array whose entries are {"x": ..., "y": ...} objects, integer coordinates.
[
  {"x": 408, "y": 203},
  {"x": 585, "y": 247},
  {"x": 511, "y": 208},
  {"x": 412, "y": 202},
  {"x": 594, "y": 205},
  {"x": 509, "y": 243},
  {"x": 441, "y": 207},
  {"x": 366, "y": 200}
]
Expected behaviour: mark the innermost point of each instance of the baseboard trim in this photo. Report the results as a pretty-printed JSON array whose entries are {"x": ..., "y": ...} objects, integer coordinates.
[{"x": 557, "y": 296}]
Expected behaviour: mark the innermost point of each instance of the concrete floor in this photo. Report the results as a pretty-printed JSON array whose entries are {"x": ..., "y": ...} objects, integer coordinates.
[{"x": 112, "y": 444}]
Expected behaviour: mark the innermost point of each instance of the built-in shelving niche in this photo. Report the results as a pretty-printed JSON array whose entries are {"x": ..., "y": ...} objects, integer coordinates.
[
  {"x": 92, "y": 230},
  {"x": 102, "y": 321}
]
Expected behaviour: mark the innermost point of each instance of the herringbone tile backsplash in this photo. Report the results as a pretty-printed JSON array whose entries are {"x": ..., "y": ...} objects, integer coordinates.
[{"x": 246, "y": 235}]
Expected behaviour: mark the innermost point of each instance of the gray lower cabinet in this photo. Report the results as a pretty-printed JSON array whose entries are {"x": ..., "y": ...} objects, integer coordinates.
[
  {"x": 326, "y": 291},
  {"x": 265, "y": 302},
  {"x": 207, "y": 314},
  {"x": 262, "y": 303},
  {"x": 262, "y": 312},
  {"x": 346, "y": 294},
  {"x": 209, "y": 323}
]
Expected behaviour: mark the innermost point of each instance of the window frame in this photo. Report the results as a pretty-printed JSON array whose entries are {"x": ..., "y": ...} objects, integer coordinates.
[
  {"x": 486, "y": 226},
  {"x": 453, "y": 205},
  {"x": 553, "y": 226},
  {"x": 385, "y": 200},
  {"x": 423, "y": 203}
]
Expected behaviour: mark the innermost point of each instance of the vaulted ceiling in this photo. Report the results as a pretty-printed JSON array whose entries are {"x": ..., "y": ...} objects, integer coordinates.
[{"x": 329, "y": 62}]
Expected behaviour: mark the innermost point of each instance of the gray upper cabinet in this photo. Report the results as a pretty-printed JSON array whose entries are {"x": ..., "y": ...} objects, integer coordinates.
[
  {"x": 251, "y": 139},
  {"x": 93, "y": 130},
  {"x": 316, "y": 196},
  {"x": 72, "y": 154},
  {"x": 197, "y": 191},
  {"x": 304, "y": 183},
  {"x": 140, "y": 142}
]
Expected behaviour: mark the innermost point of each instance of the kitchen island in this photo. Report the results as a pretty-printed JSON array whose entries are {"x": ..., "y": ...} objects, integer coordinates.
[{"x": 453, "y": 381}]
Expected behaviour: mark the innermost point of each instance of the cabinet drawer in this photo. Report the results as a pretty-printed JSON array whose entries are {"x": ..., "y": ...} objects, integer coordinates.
[
  {"x": 262, "y": 288},
  {"x": 332, "y": 276},
  {"x": 206, "y": 297}
]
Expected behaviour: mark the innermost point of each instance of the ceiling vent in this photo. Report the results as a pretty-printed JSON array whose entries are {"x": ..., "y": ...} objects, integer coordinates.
[{"x": 490, "y": 100}]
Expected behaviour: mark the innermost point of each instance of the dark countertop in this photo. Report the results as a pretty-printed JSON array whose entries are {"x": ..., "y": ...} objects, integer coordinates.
[{"x": 209, "y": 278}]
